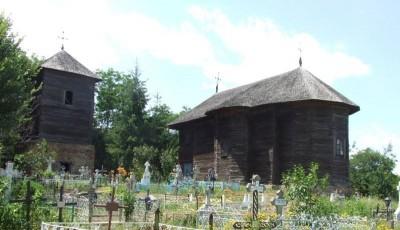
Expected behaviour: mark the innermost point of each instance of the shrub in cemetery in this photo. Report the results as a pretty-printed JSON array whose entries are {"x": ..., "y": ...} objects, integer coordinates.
[
  {"x": 303, "y": 188},
  {"x": 34, "y": 162},
  {"x": 129, "y": 203},
  {"x": 13, "y": 215}
]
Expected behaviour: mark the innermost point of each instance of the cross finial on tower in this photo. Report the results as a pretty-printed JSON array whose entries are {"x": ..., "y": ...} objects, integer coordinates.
[
  {"x": 218, "y": 79},
  {"x": 63, "y": 38},
  {"x": 158, "y": 99},
  {"x": 300, "y": 60}
]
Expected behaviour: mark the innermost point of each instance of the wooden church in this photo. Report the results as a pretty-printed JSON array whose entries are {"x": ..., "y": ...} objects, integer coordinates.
[
  {"x": 63, "y": 111},
  {"x": 266, "y": 128}
]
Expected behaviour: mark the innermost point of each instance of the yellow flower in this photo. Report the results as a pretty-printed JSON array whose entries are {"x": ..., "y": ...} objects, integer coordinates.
[{"x": 121, "y": 171}]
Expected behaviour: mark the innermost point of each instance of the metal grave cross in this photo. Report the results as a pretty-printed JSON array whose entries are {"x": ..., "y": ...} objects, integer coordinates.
[{"x": 111, "y": 206}]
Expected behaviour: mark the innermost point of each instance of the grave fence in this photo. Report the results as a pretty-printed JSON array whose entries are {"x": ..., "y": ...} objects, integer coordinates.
[{"x": 95, "y": 225}]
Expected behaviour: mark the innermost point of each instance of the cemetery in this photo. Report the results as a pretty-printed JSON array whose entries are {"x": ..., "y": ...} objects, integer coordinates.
[
  {"x": 83, "y": 150},
  {"x": 109, "y": 200}
]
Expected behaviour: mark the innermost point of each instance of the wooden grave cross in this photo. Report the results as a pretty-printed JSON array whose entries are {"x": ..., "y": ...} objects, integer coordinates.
[
  {"x": 61, "y": 204},
  {"x": 92, "y": 197},
  {"x": 111, "y": 206},
  {"x": 27, "y": 201}
]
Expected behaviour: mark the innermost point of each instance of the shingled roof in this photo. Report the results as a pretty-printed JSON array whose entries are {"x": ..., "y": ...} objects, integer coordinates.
[
  {"x": 63, "y": 61},
  {"x": 296, "y": 85}
]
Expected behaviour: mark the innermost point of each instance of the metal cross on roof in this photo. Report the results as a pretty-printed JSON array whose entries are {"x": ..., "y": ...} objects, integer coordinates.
[
  {"x": 63, "y": 38},
  {"x": 218, "y": 79},
  {"x": 300, "y": 60}
]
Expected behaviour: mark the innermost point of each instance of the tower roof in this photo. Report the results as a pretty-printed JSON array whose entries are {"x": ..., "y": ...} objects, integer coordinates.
[
  {"x": 296, "y": 85},
  {"x": 63, "y": 61}
]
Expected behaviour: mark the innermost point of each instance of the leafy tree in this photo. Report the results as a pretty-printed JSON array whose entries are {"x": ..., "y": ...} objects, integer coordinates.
[
  {"x": 371, "y": 173},
  {"x": 120, "y": 114},
  {"x": 128, "y": 132},
  {"x": 17, "y": 87},
  {"x": 303, "y": 187},
  {"x": 34, "y": 162}
]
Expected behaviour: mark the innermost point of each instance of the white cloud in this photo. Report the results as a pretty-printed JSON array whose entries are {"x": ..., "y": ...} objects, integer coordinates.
[
  {"x": 265, "y": 49},
  {"x": 376, "y": 137},
  {"x": 99, "y": 35}
]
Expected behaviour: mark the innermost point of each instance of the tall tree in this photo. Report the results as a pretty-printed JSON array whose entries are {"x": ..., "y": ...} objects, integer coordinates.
[
  {"x": 17, "y": 86},
  {"x": 371, "y": 173},
  {"x": 120, "y": 113}
]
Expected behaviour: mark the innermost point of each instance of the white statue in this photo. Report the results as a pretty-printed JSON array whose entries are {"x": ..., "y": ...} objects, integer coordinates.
[
  {"x": 178, "y": 174},
  {"x": 146, "y": 175}
]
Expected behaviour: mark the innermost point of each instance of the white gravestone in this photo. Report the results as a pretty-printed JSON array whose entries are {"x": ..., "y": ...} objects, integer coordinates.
[
  {"x": 96, "y": 175},
  {"x": 208, "y": 197},
  {"x": 146, "y": 175},
  {"x": 397, "y": 212},
  {"x": 178, "y": 174},
  {"x": 131, "y": 182},
  {"x": 50, "y": 162},
  {"x": 81, "y": 172}
]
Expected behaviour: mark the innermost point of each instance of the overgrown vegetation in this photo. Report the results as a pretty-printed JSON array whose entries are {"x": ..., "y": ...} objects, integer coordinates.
[
  {"x": 303, "y": 187},
  {"x": 34, "y": 162}
]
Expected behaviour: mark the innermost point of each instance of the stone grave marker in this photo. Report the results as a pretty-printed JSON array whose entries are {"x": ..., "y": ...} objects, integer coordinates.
[
  {"x": 211, "y": 178},
  {"x": 50, "y": 163},
  {"x": 145, "y": 181},
  {"x": 131, "y": 182},
  {"x": 279, "y": 202}
]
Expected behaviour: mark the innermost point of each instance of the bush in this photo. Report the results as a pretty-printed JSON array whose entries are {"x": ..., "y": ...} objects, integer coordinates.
[
  {"x": 302, "y": 190},
  {"x": 34, "y": 162}
]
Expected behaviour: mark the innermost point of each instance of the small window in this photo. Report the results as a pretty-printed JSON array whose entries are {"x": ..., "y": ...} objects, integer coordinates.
[
  {"x": 68, "y": 97},
  {"x": 339, "y": 148}
]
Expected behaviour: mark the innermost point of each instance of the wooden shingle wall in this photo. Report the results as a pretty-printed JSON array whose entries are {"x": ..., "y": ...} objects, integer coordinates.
[{"x": 66, "y": 123}]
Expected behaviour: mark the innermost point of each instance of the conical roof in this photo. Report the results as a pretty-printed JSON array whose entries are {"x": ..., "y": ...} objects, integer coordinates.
[
  {"x": 63, "y": 61},
  {"x": 296, "y": 85}
]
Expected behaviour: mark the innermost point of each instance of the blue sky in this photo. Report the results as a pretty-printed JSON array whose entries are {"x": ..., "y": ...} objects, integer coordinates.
[{"x": 182, "y": 45}]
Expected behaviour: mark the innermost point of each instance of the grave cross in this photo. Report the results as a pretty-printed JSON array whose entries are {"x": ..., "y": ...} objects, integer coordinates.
[
  {"x": 279, "y": 202},
  {"x": 111, "y": 206},
  {"x": 27, "y": 201},
  {"x": 92, "y": 198},
  {"x": 61, "y": 204}
]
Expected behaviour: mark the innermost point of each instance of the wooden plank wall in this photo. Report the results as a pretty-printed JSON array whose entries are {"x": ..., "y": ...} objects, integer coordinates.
[
  {"x": 261, "y": 143},
  {"x": 203, "y": 146},
  {"x": 66, "y": 123},
  {"x": 232, "y": 142},
  {"x": 308, "y": 134},
  {"x": 268, "y": 141}
]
